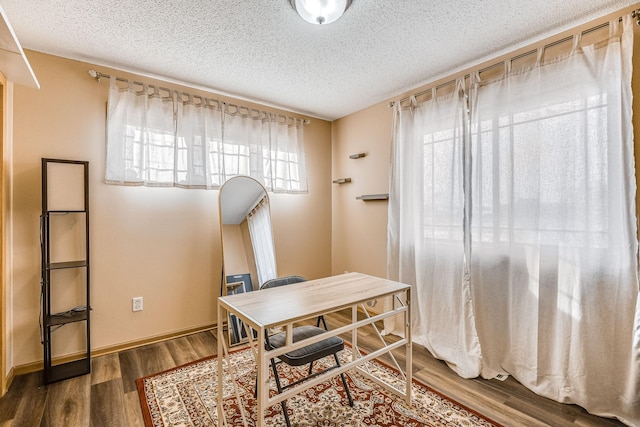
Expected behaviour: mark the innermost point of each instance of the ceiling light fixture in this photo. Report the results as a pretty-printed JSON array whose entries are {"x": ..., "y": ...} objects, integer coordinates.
[{"x": 320, "y": 11}]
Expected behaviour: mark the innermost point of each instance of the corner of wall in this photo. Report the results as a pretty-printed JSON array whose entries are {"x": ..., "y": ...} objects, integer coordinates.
[{"x": 6, "y": 192}]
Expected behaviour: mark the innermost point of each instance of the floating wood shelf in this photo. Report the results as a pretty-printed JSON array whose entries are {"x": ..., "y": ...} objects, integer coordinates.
[
  {"x": 368, "y": 197},
  {"x": 358, "y": 155},
  {"x": 341, "y": 180}
]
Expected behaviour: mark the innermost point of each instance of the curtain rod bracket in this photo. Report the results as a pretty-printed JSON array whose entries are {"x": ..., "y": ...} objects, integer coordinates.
[{"x": 94, "y": 74}]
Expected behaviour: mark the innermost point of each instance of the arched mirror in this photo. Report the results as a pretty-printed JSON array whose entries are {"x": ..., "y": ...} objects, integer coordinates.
[{"x": 248, "y": 253}]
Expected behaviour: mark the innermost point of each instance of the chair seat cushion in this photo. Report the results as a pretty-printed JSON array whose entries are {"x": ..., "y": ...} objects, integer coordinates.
[{"x": 308, "y": 354}]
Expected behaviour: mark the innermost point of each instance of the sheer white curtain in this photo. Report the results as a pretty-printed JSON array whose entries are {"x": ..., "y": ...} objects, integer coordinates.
[
  {"x": 285, "y": 171},
  {"x": 553, "y": 264},
  {"x": 543, "y": 282},
  {"x": 199, "y": 161},
  {"x": 157, "y": 137},
  {"x": 426, "y": 227},
  {"x": 140, "y": 136},
  {"x": 246, "y": 143},
  {"x": 259, "y": 222}
]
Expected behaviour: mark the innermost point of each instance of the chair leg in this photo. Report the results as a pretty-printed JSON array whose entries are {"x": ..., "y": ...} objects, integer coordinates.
[
  {"x": 323, "y": 321},
  {"x": 346, "y": 389},
  {"x": 286, "y": 415},
  {"x": 344, "y": 381},
  {"x": 279, "y": 386},
  {"x": 310, "y": 368}
]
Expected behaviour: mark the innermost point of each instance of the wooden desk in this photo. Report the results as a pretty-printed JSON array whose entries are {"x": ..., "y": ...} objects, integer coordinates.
[{"x": 287, "y": 305}]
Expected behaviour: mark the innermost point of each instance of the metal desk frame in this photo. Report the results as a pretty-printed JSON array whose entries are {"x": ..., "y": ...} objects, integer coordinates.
[{"x": 285, "y": 306}]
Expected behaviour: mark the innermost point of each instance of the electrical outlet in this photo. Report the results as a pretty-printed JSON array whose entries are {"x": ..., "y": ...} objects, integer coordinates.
[{"x": 137, "y": 304}]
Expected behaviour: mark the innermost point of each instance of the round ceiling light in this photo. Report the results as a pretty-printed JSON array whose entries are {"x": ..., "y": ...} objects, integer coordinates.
[{"x": 320, "y": 11}]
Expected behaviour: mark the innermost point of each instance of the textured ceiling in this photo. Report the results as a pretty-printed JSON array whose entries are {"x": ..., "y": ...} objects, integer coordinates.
[{"x": 262, "y": 51}]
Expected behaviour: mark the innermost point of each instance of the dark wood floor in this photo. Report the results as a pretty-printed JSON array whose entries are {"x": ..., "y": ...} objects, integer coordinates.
[{"x": 108, "y": 396}]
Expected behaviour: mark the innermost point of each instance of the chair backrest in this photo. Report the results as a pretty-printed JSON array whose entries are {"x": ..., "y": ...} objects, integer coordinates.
[{"x": 282, "y": 281}]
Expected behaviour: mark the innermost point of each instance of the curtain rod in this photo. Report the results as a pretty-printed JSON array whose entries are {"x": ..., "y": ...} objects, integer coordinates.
[
  {"x": 501, "y": 63},
  {"x": 97, "y": 75}
]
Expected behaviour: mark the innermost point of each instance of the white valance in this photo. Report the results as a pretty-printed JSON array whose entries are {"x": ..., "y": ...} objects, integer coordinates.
[{"x": 163, "y": 138}]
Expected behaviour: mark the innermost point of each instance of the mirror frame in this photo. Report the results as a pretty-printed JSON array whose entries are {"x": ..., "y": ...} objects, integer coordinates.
[{"x": 223, "y": 279}]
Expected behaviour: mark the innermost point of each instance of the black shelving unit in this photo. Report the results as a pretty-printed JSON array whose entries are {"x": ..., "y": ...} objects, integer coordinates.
[{"x": 65, "y": 221}]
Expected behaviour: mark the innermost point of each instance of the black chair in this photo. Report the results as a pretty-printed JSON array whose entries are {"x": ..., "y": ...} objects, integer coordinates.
[{"x": 304, "y": 355}]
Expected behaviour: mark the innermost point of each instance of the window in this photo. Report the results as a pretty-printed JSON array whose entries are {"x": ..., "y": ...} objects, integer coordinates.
[{"x": 158, "y": 140}]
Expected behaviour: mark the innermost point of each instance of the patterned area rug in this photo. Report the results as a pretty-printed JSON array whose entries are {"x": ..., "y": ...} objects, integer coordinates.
[{"x": 187, "y": 396}]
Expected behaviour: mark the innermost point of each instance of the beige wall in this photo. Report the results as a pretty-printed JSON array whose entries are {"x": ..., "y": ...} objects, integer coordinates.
[
  {"x": 250, "y": 256},
  {"x": 159, "y": 243},
  {"x": 359, "y": 229},
  {"x": 235, "y": 252},
  {"x": 302, "y": 222}
]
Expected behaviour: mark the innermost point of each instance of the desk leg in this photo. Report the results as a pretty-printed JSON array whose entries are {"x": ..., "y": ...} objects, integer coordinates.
[
  {"x": 220, "y": 357},
  {"x": 408, "y": 348},
  {"x": 355, "y": 351},
  {"x": 263, "y": 379}
]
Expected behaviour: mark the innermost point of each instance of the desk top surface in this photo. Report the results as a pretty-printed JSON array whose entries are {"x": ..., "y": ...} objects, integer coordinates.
[{"x": 278, "y": 306}]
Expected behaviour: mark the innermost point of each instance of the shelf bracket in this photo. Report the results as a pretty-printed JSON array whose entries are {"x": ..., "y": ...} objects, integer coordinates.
[
  {"x": 341, "y": 180},
  {"x": 369, "y": 197}
]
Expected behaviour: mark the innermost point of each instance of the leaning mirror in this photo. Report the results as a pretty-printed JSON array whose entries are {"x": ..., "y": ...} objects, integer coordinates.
[{"x": 248, "y": 254}]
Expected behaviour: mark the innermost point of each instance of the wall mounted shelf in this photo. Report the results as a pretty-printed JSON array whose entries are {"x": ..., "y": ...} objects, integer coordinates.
[
  {"x": 341, "y": 180},
  {"x": 369, "y": 197}
]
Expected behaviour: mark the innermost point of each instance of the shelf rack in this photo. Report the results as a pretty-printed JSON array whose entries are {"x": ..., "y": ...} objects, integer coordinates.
[{"x": 58, "y": 178}]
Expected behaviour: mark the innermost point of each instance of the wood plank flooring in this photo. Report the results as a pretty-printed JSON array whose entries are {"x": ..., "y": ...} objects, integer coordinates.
[{"x": 108, "y": 396}]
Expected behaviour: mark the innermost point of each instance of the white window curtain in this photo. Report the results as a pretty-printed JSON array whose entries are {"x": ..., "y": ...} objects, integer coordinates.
[
  {"x": 199, "y": 161},
  {"x": 140, "y": 136},
  {"x": 259, "y": 221},
  {"x": 549, "y": 222},
  {"x": 157, "y": 137},
  {"x": 426, "y": 227}
]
